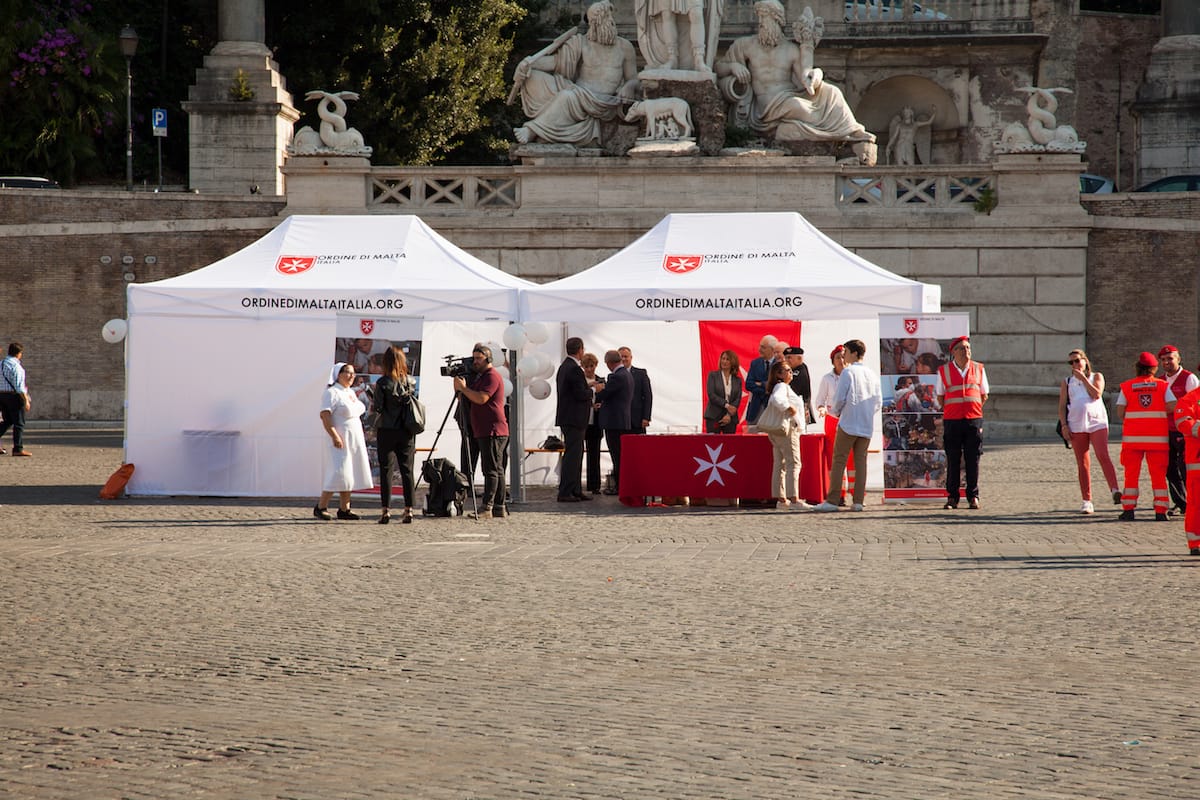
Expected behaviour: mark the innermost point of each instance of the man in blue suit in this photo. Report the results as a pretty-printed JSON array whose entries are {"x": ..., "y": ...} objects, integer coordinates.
[
  {"x": 643, "y": 395},
  {"x": 615, "y": 397}
]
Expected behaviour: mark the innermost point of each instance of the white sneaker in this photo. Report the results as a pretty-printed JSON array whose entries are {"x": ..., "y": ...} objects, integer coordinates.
[
  {"x": 1087, "y": 507},
  {"x": 799, "y": 505},
  {"x": 825, "y": 506},
  {"x": 856, "y": 507}
]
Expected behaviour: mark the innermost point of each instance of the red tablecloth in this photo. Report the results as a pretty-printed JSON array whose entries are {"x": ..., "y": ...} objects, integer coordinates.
[
  {"x": 814, "y": 475},
  {"x": 700, "y": 465}
]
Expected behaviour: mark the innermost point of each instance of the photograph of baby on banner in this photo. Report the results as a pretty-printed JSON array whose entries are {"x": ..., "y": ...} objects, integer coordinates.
[{"x": 362, "y": 342}]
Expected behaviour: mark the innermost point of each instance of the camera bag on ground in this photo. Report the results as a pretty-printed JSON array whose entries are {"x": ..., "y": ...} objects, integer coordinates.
[{"x": 447, "y": 488}]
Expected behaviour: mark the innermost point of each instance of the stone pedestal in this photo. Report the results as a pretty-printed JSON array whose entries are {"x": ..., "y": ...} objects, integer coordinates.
[
  {"x": 700, "y": 92},
  {"x": 236, "y": 144},
  {"x": 326, "y": 185},
  {"x": 1046, "y": 180},
  {"x": 1168, "y": 110}
]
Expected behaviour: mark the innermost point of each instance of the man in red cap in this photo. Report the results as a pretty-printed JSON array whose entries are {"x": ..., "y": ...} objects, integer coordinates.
[
  {"x": 1181, "y": 382},
  {"x": 1187, "y": 424},
  {"x": 962, "y": 389},
  {"x": 1145, "y": 406}
]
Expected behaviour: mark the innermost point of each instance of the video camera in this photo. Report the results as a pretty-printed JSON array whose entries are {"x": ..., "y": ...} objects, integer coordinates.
[{"x": 457, "y": 366}]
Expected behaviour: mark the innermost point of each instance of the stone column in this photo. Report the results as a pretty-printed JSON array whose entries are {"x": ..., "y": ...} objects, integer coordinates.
[
  {"x": 240, "y": 114},
  {"x": 1168, "y": 102}
]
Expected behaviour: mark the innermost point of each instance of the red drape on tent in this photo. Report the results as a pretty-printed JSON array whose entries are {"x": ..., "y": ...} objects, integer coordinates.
[{"x": 742, "y": 338}]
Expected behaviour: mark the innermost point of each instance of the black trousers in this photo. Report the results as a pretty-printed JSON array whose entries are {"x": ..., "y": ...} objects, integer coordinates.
[
  {"x": 591, "y": 442},
  {"x": 964, "y": 446},
  {"x": 612, "y": 436},
  {"x": 493, "y": 452},
  {"x": 1177, "y": 471},
  {"x": 570, "y": 480},
  {"x": 402, "y": 444},
  {"x": 12, "y": 410}
]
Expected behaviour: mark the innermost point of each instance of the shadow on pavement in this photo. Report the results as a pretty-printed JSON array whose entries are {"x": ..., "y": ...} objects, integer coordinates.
[{"x": 1113, "y": 561}]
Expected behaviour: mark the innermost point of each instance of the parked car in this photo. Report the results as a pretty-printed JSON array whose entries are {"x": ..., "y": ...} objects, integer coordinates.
[
  {"x": 887, "y": 10},
  {"x": 27, "y": 183},
  {"x": 1174, "y": 183},
  {"x": 1095, "y": 184}
]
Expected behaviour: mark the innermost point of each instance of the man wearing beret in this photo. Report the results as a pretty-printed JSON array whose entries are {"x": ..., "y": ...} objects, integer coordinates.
[
  {"x": 962, "y": 389},
  {"x": 801, "y": 382},
  {"x": 1181, "y": 382},
  {"x": 1144, "y": 407}
]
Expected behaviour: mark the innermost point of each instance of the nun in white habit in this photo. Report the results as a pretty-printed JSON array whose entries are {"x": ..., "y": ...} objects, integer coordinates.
[{"x": 347, "y": 467}]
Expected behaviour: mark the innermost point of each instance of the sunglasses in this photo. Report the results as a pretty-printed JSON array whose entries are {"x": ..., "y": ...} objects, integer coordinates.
[{"x": 1075, "y": 361}]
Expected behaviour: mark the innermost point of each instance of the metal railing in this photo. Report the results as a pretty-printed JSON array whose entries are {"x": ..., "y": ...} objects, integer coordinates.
[
  {"x": 741, "y": 12},
  {"x": 444, "y": 189}
]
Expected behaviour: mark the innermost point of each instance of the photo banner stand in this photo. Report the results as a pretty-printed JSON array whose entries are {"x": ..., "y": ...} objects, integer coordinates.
[{"x": 911, "y": 348}]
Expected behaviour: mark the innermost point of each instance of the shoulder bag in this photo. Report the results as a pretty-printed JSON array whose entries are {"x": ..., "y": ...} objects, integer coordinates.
[
  {"x": 1058, "y": 426},
  {"x": 772, "y": 420},
  {"x": 413, "y": 410}
]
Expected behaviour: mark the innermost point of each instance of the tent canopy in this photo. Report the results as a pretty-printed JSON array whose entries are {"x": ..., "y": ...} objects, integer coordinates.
[
  {"x": 312, "y": 266},
  {"x": 728, "y": 267}
]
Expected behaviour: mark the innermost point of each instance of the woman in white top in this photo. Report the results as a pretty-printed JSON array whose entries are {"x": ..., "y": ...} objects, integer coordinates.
[
  {"x": 785, "y": 445},
  {"x": 347, "y": 467},
  {"x": 1085, "y": 419}
]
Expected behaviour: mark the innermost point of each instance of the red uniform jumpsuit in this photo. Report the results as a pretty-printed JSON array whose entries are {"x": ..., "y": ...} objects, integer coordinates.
[
  {"x": 1145, "y": 434},
  {"x": 1187, "y": 422}
]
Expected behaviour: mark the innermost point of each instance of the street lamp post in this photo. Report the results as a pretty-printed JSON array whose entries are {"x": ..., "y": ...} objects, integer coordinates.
[{"x": 129, "y": 43}]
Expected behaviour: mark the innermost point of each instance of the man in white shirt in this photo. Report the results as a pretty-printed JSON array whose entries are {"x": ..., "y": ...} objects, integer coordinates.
[
  {"x": 856, "y": 401},
  {"x": 14, "y": 399}
]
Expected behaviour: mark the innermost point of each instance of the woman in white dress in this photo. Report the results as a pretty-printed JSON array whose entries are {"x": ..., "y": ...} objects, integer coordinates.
[{"x": 347, "y": 468}]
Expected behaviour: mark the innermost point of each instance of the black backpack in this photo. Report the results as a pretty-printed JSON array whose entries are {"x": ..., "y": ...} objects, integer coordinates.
[{"x": 447, "y": 488}]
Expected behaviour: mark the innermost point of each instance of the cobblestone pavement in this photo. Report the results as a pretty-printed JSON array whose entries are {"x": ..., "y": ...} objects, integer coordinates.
[{"x": 158, "y": 648}]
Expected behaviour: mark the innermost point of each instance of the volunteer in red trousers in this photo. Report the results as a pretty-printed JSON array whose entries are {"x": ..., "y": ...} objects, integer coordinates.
[
  {"x": 1181, "y": 382},
  {"x": 1145, "y": 406},
  {"x": 1187, "y": 423},
  {"x": 962, "y": 389},
  {"x": 824, "y": 403}
]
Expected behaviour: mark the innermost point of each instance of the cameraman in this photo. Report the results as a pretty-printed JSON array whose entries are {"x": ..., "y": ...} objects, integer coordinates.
[{"x": 489, "y": 426}]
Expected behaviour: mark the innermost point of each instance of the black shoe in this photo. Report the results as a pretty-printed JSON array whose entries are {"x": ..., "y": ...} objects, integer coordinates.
[
  {"x": 346, "y": 514},
  {"x": 385, "y": 517},
  {"x": 1160, "y": 517},
  {"x": 842, "y": 503},
  {"x": 1126, "y": 516},
  {"x": 583, "y": 496},
  {"x": 1195, "y": 551},
  {"x": 321, "y": 513},
  {"x": 570, "y": 498},
  {"x": 610, "y": 492},
  {"x": 974, "y": 503},
  {"x": 951, "y": 504},
  {"x": 407, "y": 518}
]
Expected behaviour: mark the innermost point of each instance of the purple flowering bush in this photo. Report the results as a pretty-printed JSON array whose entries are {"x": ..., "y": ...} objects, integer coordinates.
[{"x": 59, "y": 87}]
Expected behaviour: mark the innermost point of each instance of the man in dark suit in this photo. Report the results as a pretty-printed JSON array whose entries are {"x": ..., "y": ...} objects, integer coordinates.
[
  {"x": 643, "y": 396},
  {"x": 574, "y": 402},
  {"x": 615, "y": 397},
  {"x": 801, "y": 382}
]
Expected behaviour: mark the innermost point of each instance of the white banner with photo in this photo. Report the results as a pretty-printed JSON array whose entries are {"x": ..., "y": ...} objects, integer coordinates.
[{"x": 911, "y": 349}]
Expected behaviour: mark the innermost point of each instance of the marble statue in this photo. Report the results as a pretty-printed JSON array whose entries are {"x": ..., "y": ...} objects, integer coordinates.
[
  {"x": 1042, "y": 134},
  {"x": 789, "y": 98},
  {"x": 335, "y": 137},
  {"x": 664, "y": 117},
  {"x": 580, "y": 80},
  {"x": 909, "y": 137},
  {"x": 658, "y": 29}
]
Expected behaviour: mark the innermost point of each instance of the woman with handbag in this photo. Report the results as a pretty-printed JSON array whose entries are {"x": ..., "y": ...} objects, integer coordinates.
[
  {"x": 347, "y": 469},
  {"x": 1084, "y": 418},
  {"x": 395, "y": 392},
  {"x": 724, "y": 390},
  {"x": 784, "y": 422}
]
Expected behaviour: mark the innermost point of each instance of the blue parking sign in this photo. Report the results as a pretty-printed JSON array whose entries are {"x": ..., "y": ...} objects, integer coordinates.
[{"x": 158, "y": 121}]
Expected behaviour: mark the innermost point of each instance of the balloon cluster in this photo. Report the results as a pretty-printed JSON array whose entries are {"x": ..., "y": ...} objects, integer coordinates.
[{"x": 534, "y": 368}]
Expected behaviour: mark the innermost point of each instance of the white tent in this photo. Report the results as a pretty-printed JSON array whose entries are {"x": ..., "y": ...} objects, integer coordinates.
[
  {"x": 225, "y": 365},
  {"x": 728, "y": 267}
]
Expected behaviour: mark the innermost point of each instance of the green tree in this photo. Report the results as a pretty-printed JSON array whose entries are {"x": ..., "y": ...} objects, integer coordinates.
[{"x": 424, "y": 68}]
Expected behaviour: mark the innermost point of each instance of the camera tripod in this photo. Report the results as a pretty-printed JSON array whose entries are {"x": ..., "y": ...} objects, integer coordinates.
[{"x": 454, "y": 405}]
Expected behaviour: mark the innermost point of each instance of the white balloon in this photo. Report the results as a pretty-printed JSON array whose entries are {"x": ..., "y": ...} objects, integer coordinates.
[
  {"x": 508, "y": 387},
  {"x": 540, "y": 389},
  {"x": 547, "y": 366},
  {"x": 114, "y": 330},
  {"x": 528, "y": 366},
  {"x": 497, "y": 353},
  {"x": 537, "y": 332},
  {"x": 514, "y": 336}
]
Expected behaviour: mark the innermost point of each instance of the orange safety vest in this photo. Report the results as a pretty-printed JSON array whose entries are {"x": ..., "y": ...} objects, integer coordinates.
[
  {"x": 1146, "y": 424},
  {"x": 964, "y": 398},
  {"x": 1187, "y": 422}
]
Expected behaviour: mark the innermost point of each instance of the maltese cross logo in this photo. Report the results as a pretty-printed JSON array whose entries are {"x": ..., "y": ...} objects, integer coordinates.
[
  {"x": 910, "y": 326},
  {"x": 678, "y": 265},
  {"x": 714, "y": 465},
  {"x": 294, "y": 265},
  {"x": 366, "y": 326}
]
